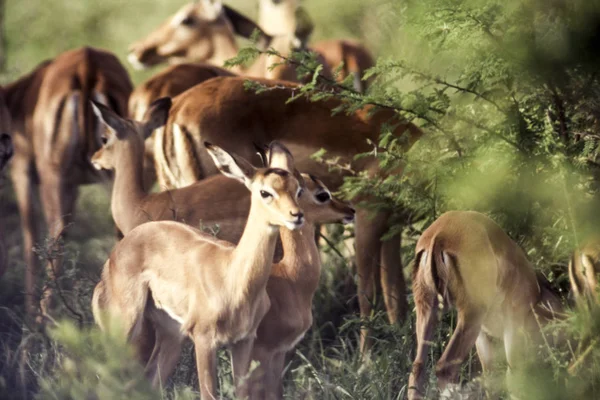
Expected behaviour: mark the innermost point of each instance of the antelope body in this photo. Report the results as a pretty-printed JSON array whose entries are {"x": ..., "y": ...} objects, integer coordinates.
[
  {"x": 466, "y": 261},
  {"x": 167, "y": 280},
  {"x": 55, "y": 135},
  {"x": 170, "y": 82}
]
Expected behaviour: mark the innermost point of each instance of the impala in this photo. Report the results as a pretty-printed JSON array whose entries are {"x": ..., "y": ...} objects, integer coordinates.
[
  {"x": 186, "y": 283},
  {"x": 466, "y": 261},
  {"x": 204, "y": 31},
  {"x": 168, "y": 83},
  {"x": 278, "y": 17},
  {"x": 54, "y": 137},
  {"x": 221, "y": 110},
  {"x": 291, "y": 288},
  {"x": 215, "y": 201},
  {"x": 583, "y": 273}
]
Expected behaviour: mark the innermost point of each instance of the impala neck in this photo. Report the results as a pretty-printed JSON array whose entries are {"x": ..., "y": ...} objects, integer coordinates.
[
  {"x": 277, "y": 19},
  {"x": 224, "y": 48},
  {"x": 282, "y": 44},
  {"x": 128, "y": 189},
  {"x": 301, "y": 261},
  {"x": 253, "y": 256}
]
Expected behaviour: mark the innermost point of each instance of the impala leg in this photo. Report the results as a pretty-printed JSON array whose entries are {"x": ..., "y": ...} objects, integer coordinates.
[
  {"x": 463, "y": 339},
  {"x": 392, "y": 280},
  {"x": 145, "y": 342},
  {"x": 485, "y": 351},
  {"x": 58, "y": 201},
  {"x": 240, "y": 360},
  {"x": 23, "y": 186},
  {"x": 206, "y": 362},
  {"x": 258, "y": 384},
  {"x": 275, "y": 377},
  {"x": 426, "y": 305},
  {"x": 368, "y": 248},
  {"x": 164, "y": 358}
]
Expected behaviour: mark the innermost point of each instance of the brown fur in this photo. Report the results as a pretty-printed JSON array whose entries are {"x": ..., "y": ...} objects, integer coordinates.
[
  {"x": 170, "y": 82},
  {"x": 223, "y": 111},
  {"x": 186, "y": 283},
  {"x": 466, "y": 261},
  {"x": 54, "y": 137}
]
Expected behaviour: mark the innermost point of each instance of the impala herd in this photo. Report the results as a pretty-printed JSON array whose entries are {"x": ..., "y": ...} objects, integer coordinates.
[{"x": 224, "y": 155}]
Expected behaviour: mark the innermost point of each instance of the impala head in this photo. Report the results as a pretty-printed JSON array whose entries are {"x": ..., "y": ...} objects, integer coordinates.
[
  {"x": 320, "y": 206},
  {"x": 584, "y": 268},
  {"x": 274, "y": 189},
  {"x": 123, "y": 137},
  {"x": 192, "y": 35},
  {"x": 276, "y": 17}
]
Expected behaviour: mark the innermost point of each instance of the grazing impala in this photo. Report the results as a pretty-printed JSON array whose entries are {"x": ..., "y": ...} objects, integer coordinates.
[
  {"x": 466, "y": 261},
  {"x": 168, "y": 83},
  {"x": 204, "y": 31},
  {"x": 186, "y": 283},
  {"x": 221, "y": 110},
  {"x": 583, "y": 273},
  {"x": 278, "y": 17},
  {"x": 55, "y": 135}
]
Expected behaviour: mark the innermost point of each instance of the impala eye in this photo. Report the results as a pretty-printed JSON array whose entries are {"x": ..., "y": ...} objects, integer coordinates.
[
  {"x": 188, "y": 21},
  {"x": 104, "y": 140},
  {"x": 300, "y": 193},
  {"x": 265, "y": 195},
  {"x": 323, "y": 197}
]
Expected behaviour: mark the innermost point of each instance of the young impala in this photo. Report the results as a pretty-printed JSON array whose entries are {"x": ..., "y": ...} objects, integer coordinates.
[
  {"x": 186, "y": 283},
  {"x": 466, "y": 261},
  {"x": 54, "y": 135},
  {"x": 291, "y": 288}
]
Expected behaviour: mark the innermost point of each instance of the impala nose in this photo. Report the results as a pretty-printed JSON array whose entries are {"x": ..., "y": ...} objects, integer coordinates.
[{"x": 299, "y": 215}]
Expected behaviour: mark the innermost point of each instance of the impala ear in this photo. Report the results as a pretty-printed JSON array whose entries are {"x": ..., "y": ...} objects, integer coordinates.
[
  {"x": 245, "y": 27},
  {"x": 114, "y": 122},
  {"x": 280, "y": 157},
  {"x": 236, "y": 168},
  {"x": 156, "y": 116},
  {"x": 262, "y": 150},
  {"x": 212, "y": 9}
]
